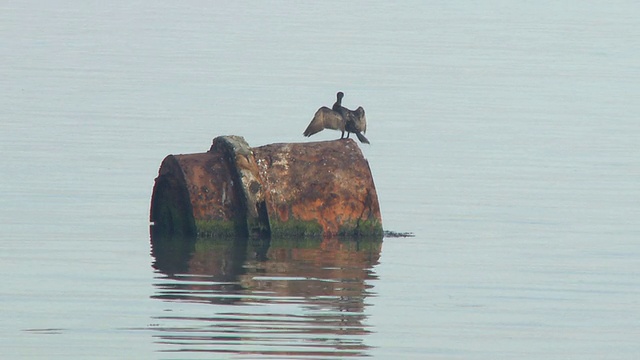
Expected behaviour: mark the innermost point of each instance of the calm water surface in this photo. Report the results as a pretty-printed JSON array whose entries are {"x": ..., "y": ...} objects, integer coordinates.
[{"x": 504, "y": 136}]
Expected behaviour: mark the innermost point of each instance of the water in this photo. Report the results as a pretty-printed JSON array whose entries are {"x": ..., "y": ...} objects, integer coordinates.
[{"x": 504, "y": 135}]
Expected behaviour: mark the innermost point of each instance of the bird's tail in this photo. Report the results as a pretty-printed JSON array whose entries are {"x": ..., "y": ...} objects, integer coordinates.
[{"x": 362, "y": 138}]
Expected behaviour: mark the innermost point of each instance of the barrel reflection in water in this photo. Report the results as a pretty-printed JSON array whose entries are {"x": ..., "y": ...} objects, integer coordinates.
[{"x": 283, "y": 297}]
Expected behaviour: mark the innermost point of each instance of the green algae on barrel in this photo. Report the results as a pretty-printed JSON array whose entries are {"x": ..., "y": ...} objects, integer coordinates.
[
  {"x": 295, "y": 227},
  {"x": 367, "y": 228}
]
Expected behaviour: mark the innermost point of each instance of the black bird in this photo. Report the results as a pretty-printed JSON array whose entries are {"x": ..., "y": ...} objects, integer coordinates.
[
  {"x": 356, "y": 123},
  {"x": 339, "y": 118}
]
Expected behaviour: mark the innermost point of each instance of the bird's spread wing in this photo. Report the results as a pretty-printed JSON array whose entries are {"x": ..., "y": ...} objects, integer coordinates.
[
  {"x": 362, "y": 121},
  {"x": 324, "y": 118}
]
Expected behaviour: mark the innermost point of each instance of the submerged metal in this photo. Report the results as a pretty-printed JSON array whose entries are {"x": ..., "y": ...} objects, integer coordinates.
[{"x": 290, "y": 189}]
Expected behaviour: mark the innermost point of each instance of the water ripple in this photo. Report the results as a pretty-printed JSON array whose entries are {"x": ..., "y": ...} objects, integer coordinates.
[{"x": 286, "y": 301}]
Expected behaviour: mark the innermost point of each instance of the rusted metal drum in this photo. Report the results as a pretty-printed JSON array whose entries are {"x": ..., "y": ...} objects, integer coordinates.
[{"x": 291, "y": 189}]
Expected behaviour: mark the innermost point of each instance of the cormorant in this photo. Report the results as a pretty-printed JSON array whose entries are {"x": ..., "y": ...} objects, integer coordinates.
[{"x": 339, "y": 118}]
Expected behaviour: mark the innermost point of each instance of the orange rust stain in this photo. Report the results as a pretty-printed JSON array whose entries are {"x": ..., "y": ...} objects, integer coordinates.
[{"x": 327, "y": 182}]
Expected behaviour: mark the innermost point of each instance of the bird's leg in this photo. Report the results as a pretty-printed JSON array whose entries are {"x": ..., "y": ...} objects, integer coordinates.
[{"x": 342, "y": 136}]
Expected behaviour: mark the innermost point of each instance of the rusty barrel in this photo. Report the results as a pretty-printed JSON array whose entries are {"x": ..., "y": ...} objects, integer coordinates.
[{"x": 288, "y": 189}]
